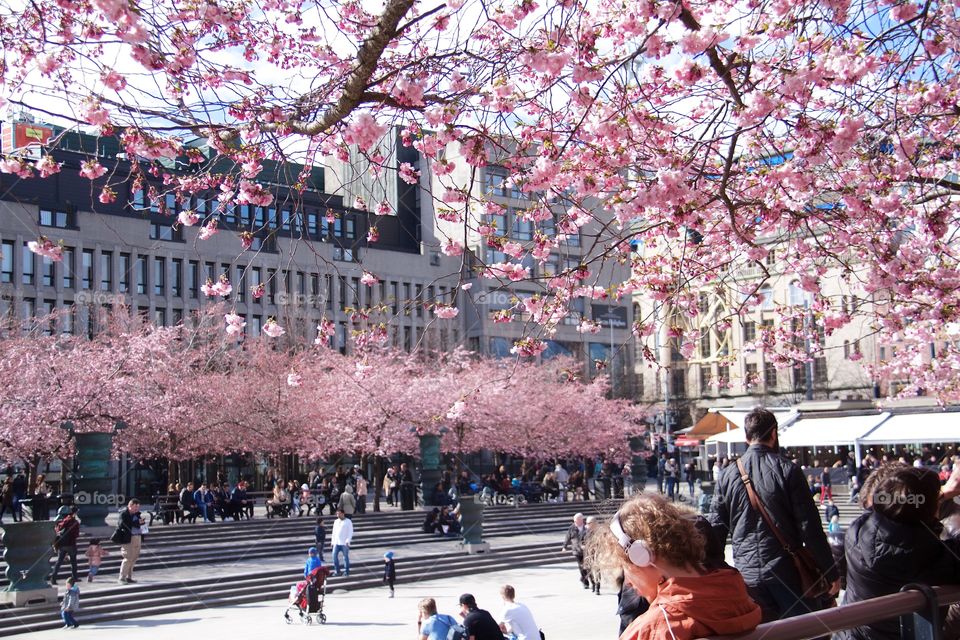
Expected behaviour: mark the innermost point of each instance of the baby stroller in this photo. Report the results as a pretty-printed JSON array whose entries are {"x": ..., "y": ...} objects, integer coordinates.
[{"x": 306, "y": 598}]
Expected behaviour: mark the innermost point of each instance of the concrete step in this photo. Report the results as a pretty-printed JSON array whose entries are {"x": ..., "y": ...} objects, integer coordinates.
[{"x": 137, "y": 601}]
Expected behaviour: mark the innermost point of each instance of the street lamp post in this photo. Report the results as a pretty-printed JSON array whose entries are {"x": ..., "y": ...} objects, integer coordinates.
[{"x": 609, "y": 318}]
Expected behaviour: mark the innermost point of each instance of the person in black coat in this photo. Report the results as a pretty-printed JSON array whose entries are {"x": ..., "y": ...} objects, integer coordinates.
[
  {"x": 829, "y": 510},
  {"x": 408, "y": 490},
  {"x": 389, "y": 570},
  {"x": 630, "y": 604},
  {"x": 895, "y": 541},
  {"x": 767, "y": 568},
  {"x": 573, "y": 541}
]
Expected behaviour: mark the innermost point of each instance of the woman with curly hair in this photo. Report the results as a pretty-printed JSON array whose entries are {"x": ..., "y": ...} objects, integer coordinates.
[{"x": 662, "y": 555}]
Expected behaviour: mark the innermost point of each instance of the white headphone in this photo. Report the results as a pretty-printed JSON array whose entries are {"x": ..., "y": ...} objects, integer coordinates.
[{"x": 637, "y": 550}]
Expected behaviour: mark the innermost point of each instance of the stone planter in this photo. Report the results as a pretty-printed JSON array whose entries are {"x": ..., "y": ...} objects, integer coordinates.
[{"x": 27, "y": 551}]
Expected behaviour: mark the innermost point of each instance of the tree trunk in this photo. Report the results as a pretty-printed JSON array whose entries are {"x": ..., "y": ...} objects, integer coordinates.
[{"x": 377, "y": 483}]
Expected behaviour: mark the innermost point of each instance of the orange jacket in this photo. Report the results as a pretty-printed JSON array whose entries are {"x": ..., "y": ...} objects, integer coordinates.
[{"x": 713, "y": 604}]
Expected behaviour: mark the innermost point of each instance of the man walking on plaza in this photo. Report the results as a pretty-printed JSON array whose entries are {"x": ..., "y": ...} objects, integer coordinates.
[
  {"x": 128, "y": 536},
  {"x": 574, "y": 541},
  {"x": 516, "y": 620},
  {"x": 782, "y": 491},
  {"x": 340, "y": 539},
  {"x": 67, "y": 531}
]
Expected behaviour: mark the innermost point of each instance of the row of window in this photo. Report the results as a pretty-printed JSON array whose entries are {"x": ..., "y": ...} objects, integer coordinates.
[
  {"x": 315, "y": 223},
  {"x": 752, "y": 380}
]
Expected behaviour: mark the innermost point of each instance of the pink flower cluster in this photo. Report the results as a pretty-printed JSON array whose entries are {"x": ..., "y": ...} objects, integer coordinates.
[
  {"x": 221, "y": 288},
  {"x": 45, "y": 247}
]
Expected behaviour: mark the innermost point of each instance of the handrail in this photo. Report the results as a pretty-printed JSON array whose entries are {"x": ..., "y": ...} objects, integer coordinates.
[{"x": 821, "y": 623}]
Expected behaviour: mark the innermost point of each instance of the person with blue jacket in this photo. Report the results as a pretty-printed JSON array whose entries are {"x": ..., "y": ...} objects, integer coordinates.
[
  {"x": 313, "y": 561},
  {"x": 203, "y": 498}
]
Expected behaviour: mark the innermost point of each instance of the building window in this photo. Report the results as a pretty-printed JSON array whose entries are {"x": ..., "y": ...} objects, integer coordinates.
[
  {"x": 160, "y": 317},
  {"x": 846, "y": 349},
  {"x": 259, "y": 219},
  {"x": 343, "y": 254},
  {"x": 176, "y": 277},
  {"x": 723, "y": 377},
  {"x": 193, "y": 278},
  {"x": 124, "y": 280},
  {"x": 8, "y": 261},
  {"x": 240, "y": 284},
  {"x": 285, "y": 220},
  {"x": 703, "y": 302},
  {"x": 705, "y": 351},
  {"x": 351, "y": 228},
  {"x": 66, "y": 319},
  {"x": 47, "y": 267},
  {"x": 749, "y": 331},
  {"x": 142, "y": 275},
  {"x": 170, "y": 204},
  {"x": 256, "y": 324},
  {"x": 522, "y": 228},
  {"x": 165, "y": 232},
  {"x": 106, "y": 270},
  {"x": 766, "y": 298},
  {"x": 771, "y": 258},
  {"x": 750, "y": 378},
  {"x": 67, "y": 266},
  {"x": 705, "y": 374},
  {"x": 312, "y": 227},
  {"x": 28, "y": 265},
  {"x": 159, "y": 276},
  {"x": 86, "y": 269},
  {"x": 496, "y": 182},
  {"x": 820, "y": 370},
  {"x": 678, "y": 383},
  {"x": 58, "y": 219},
  {"x": 769, "y": 376}
]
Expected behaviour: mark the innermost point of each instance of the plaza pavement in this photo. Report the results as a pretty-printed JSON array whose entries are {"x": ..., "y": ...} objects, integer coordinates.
[{"x": 562, "y": 608}]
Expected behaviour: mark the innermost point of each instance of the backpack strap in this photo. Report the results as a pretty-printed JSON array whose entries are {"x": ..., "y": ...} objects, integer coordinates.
[{"x": 759, "y": 508}]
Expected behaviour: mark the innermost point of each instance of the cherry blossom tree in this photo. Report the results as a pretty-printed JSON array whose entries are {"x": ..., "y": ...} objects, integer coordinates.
[{"x": 706, "y": 132}]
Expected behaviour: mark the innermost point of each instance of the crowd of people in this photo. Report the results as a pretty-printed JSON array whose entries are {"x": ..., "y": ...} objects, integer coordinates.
[{"x": 675, "y": 581}]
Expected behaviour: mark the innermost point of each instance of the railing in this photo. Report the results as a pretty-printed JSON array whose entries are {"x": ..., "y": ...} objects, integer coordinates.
[{"x": 823, "y": 623}]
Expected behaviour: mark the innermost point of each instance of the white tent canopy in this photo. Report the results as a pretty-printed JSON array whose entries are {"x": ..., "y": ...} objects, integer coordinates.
[
  {"x": 830, "y": 432},
  {"x": 916, "y": 428},
  {"x": 734, "y": 435}
]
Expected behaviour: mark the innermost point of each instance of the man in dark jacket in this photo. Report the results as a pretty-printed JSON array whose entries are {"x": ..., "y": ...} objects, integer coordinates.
[
  {"x": 129, "y": 535},
  {"x": 767, "y": 568},
  {"x": 188, "y": 504},
  {"x": 67, "y": 531},
  {"x": 574, "y": 541}
]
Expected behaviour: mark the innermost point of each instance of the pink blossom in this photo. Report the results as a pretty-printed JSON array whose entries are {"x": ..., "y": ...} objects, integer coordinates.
[
  {"x": 188, "y": 218},
  {"x": 513, "y": 249},
  {"x": 107, "y": 195},
  {"x": 47, "y": 166},
  {"x": 294, "y": 380},
  {"x": 446, "y": 312},
  {"x": 384, "y": 208},
  {"x": 528, "y": 347},
  {"x": 325, "y": 331},
  {"x": 408, "y": 92},
  {"x": 235, "y": 323},
  {"x": 514, "y": 272},
  {"x": 258, "y": 291},
  {"x": 246, "y": 240},
  {"x": 43, "y": 246},
  {"x": 208, "y": 230},
  {"x": 456, "y": 411},
  {"x": 114, "y": 80},
  {"x": 272, "y": 329},
  {"x": 373, "y": 234},
  {"x": 360, "y": 203},
  {"x": 588, "y": 326},
  {"x": 466, "y": 286},
  {"x": 91, "y": 169},
  {"x": 255, "y": 194},
  {"x": 364, "y": 131},
  {"x": 451, "y": 248},
  {"x": 92, "y": 112},
  {"x": 408, "y": 174},
  {"x": 368, "y": 279}
]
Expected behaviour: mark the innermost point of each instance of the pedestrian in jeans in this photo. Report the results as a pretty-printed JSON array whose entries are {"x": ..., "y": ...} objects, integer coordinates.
[
  {"x": 66, "y": 530},
  {"x": 767, "y": 568},
  {"x": 95, "y": 554},
  {"x": 71, "y": 603},
  {"x": 340, "y": 538},
  {"x": 129, "y": 535}
]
